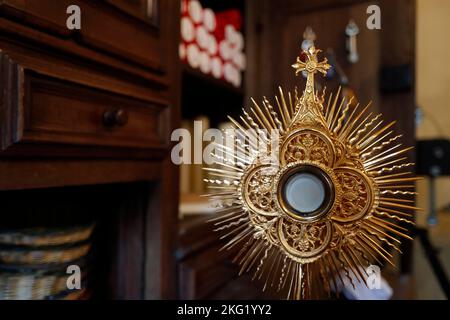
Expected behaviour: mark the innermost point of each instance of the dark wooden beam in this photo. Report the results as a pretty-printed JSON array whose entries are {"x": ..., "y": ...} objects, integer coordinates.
[{"x": 303, "y": 6}]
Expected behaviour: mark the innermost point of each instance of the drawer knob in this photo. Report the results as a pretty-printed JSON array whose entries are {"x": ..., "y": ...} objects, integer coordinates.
[{"x": 116, "y": 117}]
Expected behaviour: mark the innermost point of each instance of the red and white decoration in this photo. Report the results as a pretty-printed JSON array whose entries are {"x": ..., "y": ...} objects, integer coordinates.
[{"x": 212, "y": 42}]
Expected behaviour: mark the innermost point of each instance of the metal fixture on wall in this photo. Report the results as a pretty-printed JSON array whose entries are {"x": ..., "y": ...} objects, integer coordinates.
[{"x": 351, "y": 31}]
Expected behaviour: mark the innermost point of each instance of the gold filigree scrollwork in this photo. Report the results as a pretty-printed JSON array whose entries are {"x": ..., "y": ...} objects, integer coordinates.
[
  {"x": 307, "y": 145},
  {"x": 304, "y": 242},
  {"x": 257, "y": 190},
  {"x": 358, "y": 195}
]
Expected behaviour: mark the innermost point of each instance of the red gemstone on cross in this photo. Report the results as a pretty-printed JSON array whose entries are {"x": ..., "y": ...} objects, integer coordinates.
[{"x": 303, "y": 56}]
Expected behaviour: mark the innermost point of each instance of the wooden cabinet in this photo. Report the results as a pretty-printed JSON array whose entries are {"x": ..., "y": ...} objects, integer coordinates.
[
  {"x": 61, "y": 91},
  {"x": 96, "y": 106}
]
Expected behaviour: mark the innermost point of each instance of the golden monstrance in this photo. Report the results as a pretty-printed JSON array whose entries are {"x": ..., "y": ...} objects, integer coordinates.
[{"x": 331, "y": 204}]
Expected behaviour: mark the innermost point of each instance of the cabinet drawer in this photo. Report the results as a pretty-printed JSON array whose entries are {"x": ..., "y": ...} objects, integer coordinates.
[
  {"x": 57, "y": 111},
  {"x": 105, "y": 25}
]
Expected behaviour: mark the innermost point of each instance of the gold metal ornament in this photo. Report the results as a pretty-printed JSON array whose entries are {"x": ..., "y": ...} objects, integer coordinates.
[{"x": 343, "y": 150}]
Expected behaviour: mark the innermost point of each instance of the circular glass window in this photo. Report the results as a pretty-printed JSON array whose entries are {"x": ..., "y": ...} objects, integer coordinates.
[{"x": 306, "y": 192}]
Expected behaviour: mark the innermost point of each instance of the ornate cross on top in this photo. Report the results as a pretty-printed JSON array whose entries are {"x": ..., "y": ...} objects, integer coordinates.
[{"x": 311, "y": 66}]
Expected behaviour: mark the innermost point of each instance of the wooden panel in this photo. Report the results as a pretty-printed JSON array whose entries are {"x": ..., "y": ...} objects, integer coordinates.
[
  {"x": 20, "y": 174},
  {"x": 399, "y": 17},
  {"x": 202, "y": 268},
  {"x": 103, "y": 26},
  {"x": 49, "y": 53},
  {"x": 296, "y": 6},
  {"x": 146, "y": 10},
  {"x": 131, "y": 244},
  {"x": 9, "y": 100},
  {"x": 204, "y": 273},
  {"x": 162, "y": 213}
]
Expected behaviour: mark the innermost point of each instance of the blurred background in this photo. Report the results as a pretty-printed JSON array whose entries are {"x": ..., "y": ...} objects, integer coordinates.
[{"x": 87, "y": 111}]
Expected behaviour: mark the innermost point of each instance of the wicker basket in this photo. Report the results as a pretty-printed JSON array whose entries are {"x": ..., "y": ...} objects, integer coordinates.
[
  {"x": 33, "y": 262},
  {"x": 42, "y": 256},
  {"x": 37, "y": 284},
  {"x": 45, "y": 237}
]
